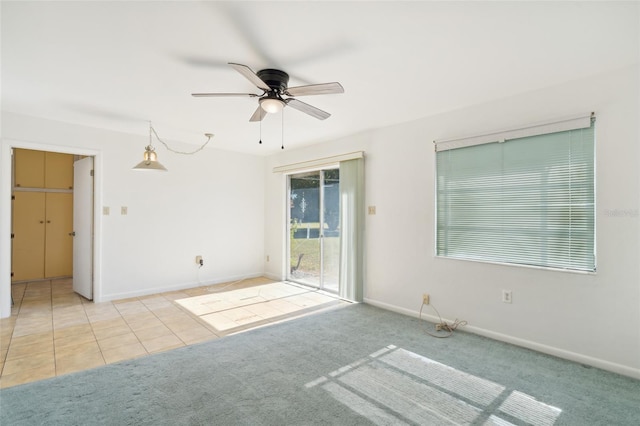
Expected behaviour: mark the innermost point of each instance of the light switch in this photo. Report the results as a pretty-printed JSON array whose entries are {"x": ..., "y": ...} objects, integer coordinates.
[
  {"x": 123, "y": 210},
  {"x": 372, "y": 209},
  {"x": 105, "y": 210}
]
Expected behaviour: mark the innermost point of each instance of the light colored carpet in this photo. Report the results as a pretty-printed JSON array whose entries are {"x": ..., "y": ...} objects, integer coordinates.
[{"x": 356, "y": 365}]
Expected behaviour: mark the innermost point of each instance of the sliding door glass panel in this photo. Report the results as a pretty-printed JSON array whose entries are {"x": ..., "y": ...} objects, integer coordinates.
[
  {"x": 304, "y": 228},
  {"x": 314, "y": 228},
  {"x": 331, "y": 229}
]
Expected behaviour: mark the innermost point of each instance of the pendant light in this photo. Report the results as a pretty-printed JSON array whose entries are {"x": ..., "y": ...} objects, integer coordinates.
[{"x": 150, "y": 158}]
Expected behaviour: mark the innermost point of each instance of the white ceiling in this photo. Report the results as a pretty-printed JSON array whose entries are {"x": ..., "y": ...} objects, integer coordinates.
[{"x": 117, "y": 65}]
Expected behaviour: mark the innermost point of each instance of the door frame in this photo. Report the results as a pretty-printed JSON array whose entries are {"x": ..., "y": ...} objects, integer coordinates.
[{"x": 6, "y": 171}]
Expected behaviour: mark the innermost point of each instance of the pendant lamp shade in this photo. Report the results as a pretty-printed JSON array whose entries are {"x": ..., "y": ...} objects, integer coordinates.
[{"x": 150, "y": 161}]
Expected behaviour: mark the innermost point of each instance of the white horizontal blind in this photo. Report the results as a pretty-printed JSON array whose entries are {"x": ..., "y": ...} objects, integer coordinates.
[
  {"x": 560, "y": 125},
  {"x": 526, "y": 201}
]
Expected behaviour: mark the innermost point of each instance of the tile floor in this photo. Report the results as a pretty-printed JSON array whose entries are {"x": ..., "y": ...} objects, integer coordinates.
[{"x": 53, "y": 331}]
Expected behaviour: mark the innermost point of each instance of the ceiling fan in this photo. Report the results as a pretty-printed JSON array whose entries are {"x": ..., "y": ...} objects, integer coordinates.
[{"x": 273, "y": 83}]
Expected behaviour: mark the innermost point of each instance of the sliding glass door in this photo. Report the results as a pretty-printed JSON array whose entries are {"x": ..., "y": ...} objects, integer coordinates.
[{"x": 314, "y": 228}]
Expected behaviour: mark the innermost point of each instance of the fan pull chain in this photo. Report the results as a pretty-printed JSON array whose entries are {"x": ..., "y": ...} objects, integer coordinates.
[
  {"x": 260, "y": 141},
  {"x": 282, "y": 132}
]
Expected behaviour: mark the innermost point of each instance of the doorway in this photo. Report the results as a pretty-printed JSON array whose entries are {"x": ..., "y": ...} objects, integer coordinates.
[
  {"x": 314, "y": 228},
  {"x": 52, "y": 218}
]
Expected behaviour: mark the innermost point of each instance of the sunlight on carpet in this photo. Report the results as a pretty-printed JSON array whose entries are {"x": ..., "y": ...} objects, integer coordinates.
[
  {"x": 396, "y": 386},
  {"x": 233, "y": 309}
]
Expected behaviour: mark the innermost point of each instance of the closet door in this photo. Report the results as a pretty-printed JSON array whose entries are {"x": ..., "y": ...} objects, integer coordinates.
[
  {"x": 29, "y": 168},
  {"x": 58, "y": 259},
  {"x": 29, "y": 235},
  {"x": 58, "y": 170}
]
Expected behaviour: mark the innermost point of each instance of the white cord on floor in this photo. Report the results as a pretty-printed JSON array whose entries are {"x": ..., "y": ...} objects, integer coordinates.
[{"x": 443, "y": 325}]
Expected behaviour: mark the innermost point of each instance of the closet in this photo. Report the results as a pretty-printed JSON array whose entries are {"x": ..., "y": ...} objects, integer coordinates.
[{"x": 42, "y": 241}]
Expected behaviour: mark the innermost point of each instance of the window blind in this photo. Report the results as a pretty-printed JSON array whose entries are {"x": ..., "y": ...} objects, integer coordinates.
[{"x": 527, "y": 201}]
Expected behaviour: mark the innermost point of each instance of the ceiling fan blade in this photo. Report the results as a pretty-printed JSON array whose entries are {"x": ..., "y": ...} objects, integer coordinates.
[
  {"x": 212, "y": 95},
  {"x": 250, "y": 75},
  {"x": 308, "y": 109},
  {"x": 258, "y": 115},
  {"x": 315, "y": 89}
]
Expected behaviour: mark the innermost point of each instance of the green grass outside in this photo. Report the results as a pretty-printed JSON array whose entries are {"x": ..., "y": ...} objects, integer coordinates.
[{"x": 310, "y": 263}]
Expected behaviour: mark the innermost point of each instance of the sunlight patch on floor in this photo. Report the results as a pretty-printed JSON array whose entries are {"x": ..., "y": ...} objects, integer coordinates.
[
  {"x": 238, "y": 308},
  {"x": 396, "y": 386}
]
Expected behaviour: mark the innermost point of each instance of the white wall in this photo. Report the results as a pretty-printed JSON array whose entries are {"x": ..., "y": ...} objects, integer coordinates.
[
  {"x": 208, "y": 204},
  {"x": 591, "y": 318}
]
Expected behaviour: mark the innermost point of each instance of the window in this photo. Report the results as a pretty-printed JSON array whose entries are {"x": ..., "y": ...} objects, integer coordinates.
[{"x": 527, "y": 200}]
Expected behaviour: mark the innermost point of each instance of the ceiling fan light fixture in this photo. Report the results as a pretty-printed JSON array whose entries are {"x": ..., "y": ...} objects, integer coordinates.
[
  {"x": 150, "y": 161},
  {"x": 271, "y": 105}
]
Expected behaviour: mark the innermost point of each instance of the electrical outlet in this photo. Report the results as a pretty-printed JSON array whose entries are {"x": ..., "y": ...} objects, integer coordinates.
[
  {"x": 425, "y": 298},
  {"x": 199, "y": 260},
  {"x": 507, "y": 296}
]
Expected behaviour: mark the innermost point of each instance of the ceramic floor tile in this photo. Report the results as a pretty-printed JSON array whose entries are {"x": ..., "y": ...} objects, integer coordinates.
[
  {"x": 117, "y": 330},
  {"x": 29, "y": 350},
  {"x": 35, "y": 308},
  {"x": 67, "y": 301},
  {"x": 303, "y": 301},
  {"x": 74, "y": 330},
  {"x": 195, "y": 335},
  {"x": 141, "y": 324},
  {"x": 203, "y": 307},
  {"x": 219, "y": 321},
  {"x": 28, "y": 363},
  {"x": 42, "y": 327},
  {"x": 59, "y": 310},
  {"x": 169, "y": 311},
  {"x": 173, "y": 295},
  {"x": 92, "y": 307},
  {"x": 156, "y": 302},
  {"x": 79, "y": 362},
  {"x": 76, "y": 334},
  {"x": 264, "y": 310},
  {"x": 196, "y": 291},
  {"x": 26, "y": 376},
  {"x": 181, "y": 324},
  {"x": 82, "y": 348},
  {"x": 103, "y": 316},
  {"x": 115, "y": 341},
  {"x": 121, "y": 353},
  {"x": 5, "y": 336},
  {"x": 4, "y": 344},
  {"x": 152, "y": 332},
  {"x": 73, "y": 340},
  {"x": 162, "y": 343},
  {"x": 32, "y": 338},
  {"x": 70, "y": 321},
  {"x": 131, "y": 307},
  {"x": 139, "y": 316},
  {"x": 238, "y": 314},
  {"x": 284, "y": 306}
]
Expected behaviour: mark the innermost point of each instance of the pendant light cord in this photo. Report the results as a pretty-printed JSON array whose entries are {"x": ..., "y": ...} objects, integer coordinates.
[{"x": 208, "y": 135}]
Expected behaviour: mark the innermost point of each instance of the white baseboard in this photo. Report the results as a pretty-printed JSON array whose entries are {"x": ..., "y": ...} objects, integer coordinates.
[
  {"x": 273, "y": 277},
  {"x": 550, "y": 350},
  {"x": 176, "y": 287}
]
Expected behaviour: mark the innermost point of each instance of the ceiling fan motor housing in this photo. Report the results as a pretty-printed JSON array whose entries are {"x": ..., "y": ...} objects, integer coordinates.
[{"x": 275, "y": 79}]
